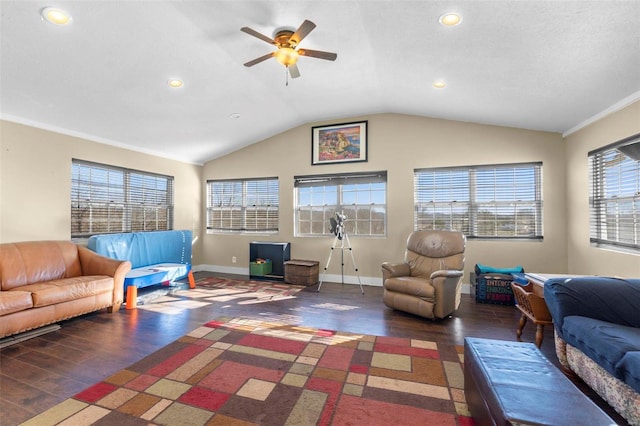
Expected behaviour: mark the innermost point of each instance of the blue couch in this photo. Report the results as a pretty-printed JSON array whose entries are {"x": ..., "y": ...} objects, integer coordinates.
[
  {"x": 597, "y": 336},
  {"x": 156, "y": 257}
]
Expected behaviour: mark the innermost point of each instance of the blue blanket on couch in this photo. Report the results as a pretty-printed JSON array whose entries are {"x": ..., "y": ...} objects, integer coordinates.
[{"x": 600, "y": 316}]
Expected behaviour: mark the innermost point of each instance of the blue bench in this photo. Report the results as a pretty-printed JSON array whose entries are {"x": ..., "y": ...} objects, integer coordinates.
[{"x": 156, "y": 257}]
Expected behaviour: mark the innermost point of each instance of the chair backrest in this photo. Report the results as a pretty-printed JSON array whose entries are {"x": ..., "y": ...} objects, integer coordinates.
[{"x": 429, "y": 251}]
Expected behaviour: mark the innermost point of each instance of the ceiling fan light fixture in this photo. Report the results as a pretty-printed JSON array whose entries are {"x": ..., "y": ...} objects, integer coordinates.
[
  {"x": 55, "y": 16},
  {"x": 450, "y": 19},
  {"x": 287, "y": 56}
]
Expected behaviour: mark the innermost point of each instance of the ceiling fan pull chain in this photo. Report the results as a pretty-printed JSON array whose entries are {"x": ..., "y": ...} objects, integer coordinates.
[{"x": 286, "y": 76}]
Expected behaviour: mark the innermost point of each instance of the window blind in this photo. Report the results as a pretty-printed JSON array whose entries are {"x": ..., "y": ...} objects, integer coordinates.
[
  {"x": 109, "y": 199},
  {"x": 243, "y": 205},
  {"x": 614, "y": 201},
  {"x": 361, "y": 197},
  {"x": 489, "y": 201}
]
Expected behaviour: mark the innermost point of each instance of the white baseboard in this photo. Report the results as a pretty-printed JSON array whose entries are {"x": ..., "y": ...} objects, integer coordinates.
[
  {"x": 235, "y": 270},
  {"x": 333, "y": 278}
]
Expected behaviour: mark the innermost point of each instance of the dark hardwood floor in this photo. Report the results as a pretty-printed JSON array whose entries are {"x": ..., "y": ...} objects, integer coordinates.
[{"x": 39, "y": 373}]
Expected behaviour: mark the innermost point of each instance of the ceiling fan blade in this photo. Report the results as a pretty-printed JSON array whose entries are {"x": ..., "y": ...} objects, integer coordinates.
[
  {"x": 258, "y": 35},
  {"x": 329, "y": 56},
  {"x": 294, "y": 71},
  {"x": 260, "y": 59},
  {"x": 305, "y": 28}
]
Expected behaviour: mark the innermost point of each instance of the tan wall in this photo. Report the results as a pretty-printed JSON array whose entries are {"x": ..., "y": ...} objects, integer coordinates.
[
  {"x": 399, "y": 144},
  {"x": 35, "y": 182},
  {"x": 583, "y": 258},
  {"x": 35, "y": 168}
]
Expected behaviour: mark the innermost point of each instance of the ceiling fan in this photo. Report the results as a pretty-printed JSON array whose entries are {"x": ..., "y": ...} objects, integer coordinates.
[{"x": 287, "y": 42}]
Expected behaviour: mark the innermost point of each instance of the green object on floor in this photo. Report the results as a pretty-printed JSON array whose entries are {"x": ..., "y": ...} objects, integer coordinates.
[{"x": 261, "y": 269}]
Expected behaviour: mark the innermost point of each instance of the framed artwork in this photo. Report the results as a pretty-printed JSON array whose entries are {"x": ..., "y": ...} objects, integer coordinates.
[{"x": 339, "y": 143}]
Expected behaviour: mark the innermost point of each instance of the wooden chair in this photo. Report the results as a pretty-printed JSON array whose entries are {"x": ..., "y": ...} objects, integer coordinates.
[{"x": 532, "y": 307}]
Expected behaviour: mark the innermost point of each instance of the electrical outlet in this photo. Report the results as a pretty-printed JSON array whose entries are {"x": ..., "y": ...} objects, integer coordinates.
[{"x": 233, "y": 259}]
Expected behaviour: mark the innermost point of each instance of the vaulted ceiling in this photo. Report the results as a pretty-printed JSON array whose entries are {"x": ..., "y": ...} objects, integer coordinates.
[{"x": 543, "y": 65}]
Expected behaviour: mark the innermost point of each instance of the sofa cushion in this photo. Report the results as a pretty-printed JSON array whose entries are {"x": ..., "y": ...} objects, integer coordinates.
[
  {"x": 603, "y": 342},
  {"x": 37, "y": 261},
  {"x": 58, "y": 291},
  {"x": 416, "y": 287},
  {"x": 629, "y": 369},
  {"x": 14, "y": 301}
]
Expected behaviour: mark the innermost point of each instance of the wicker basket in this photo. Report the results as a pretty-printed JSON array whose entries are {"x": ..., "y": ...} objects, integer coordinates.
[{"x": 301, "y": 272}]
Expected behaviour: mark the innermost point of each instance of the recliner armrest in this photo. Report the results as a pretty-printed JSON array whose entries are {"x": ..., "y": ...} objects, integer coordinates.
[
  {"x": 446, "y": 284},
  {"x": 399, "y": 269},
  {"x": 446, "y": 274}
]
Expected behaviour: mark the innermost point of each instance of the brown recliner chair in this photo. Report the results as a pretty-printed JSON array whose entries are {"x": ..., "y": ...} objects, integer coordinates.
[{"x": 429, "y": 281}]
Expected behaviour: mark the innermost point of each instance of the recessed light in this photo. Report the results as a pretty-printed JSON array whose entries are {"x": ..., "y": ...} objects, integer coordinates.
[
  {"x": 175, "y": 83},
  {"x": 55, "y": 16},
  {"x": 234, "y": 115},
  {"x": 450, "y": 19},
  {"x": 439, "y": 84}
]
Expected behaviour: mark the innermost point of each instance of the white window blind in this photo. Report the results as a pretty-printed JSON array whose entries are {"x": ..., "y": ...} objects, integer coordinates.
[
  {"x": 493, "y": 201},
  {"x": 614, "y": 202},
  {"x": 243, "y": 205},
  {"x": 361, "y": 197},
  {"x": 108, "y": 199}
]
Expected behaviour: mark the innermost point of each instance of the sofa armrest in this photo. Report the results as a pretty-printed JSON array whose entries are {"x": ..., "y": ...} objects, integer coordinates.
[
  {"x": 390, "y": 270},
  {"x": 95, "y": 264},
  {"x": 613, "y": 300}
]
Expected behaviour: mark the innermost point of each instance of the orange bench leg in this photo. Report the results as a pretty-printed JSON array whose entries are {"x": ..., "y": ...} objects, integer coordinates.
[
  {"x": 192, "y": 281},
  {"x": 132, "y": 297}
]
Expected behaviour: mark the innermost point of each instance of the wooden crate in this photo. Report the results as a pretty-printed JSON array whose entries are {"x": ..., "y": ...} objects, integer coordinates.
[{"x": 301, "y": 272}]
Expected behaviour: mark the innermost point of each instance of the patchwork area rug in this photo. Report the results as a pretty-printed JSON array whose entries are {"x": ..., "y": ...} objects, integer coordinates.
[
  {"x": 245, "y": 371},
  {"x": 216, "y": 290},
  {"x": 249, "y": 292}
]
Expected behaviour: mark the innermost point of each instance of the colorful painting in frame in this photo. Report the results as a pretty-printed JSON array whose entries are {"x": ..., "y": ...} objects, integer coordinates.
[{"x": 339, "y": 143}]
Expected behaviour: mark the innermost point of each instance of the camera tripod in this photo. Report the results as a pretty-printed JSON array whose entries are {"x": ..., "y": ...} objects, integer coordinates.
[{"x": 342, "y": 236}]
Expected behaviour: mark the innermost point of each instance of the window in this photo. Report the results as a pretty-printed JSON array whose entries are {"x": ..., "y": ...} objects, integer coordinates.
[
  {"x": 614, "y": 200},
  {"x": 495, "y": 201},
  {"x": 361, "y": 197},
  {"x": 107, "y": 199},
  {"x": 243, "y": 205}
]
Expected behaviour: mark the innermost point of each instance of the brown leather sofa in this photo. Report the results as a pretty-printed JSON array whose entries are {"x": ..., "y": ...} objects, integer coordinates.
[
  {"x": 428, "y": 282},
  {"x": 43, "y": 282}
]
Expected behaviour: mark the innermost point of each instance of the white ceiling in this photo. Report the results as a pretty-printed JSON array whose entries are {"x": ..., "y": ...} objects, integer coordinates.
[{"x": 544, "y": 65}]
